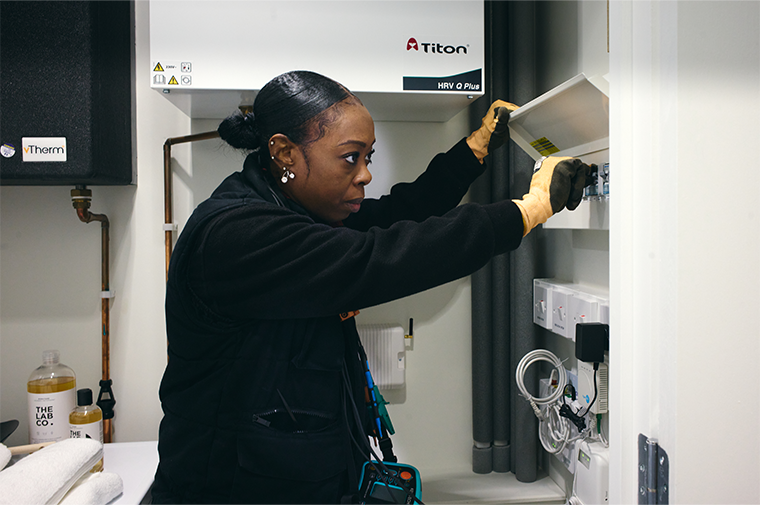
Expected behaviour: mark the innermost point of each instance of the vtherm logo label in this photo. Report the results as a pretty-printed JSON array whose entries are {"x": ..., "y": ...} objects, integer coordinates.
[{"x": 44, "y": 149}]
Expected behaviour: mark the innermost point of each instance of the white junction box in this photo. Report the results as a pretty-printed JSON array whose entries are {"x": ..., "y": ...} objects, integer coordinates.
[
  {"x": 411, "y": 60},
  {"x": 587, "y": 390},
  {"x": 558, "y": 306},
  {"x": 592, "y": 473},
  {"x": 386, "y": 353}
]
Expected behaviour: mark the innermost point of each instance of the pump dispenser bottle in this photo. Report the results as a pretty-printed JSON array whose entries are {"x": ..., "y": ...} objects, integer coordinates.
[
  {"x": 86, "y": 421},
  {"x": 51, "y": 397}
]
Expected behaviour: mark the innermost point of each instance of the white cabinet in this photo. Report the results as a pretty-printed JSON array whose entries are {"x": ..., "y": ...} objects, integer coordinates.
[{"x": 407, "y": 61}]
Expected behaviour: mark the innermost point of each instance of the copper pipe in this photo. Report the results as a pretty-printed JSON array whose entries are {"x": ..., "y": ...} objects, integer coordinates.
[
  {"x": 168, "y": 219},
  {"x": 168, "y": 197},
  {"x": 81, "y": 200}
]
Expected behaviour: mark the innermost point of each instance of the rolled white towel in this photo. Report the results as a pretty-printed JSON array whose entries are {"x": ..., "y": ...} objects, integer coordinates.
[
  {"x": 94, "y": 489},
  {"x": 45, "y": 476},
  {"x": 5, "y": 456}
]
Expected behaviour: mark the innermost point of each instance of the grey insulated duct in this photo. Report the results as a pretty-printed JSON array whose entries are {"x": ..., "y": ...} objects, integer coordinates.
[{"x": 504, "y": 427}]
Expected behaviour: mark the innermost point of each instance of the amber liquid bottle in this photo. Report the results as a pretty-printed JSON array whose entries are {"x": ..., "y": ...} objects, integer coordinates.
[
  {"x": 51, "y": 398},
  {"x": 86, "y": 421}
]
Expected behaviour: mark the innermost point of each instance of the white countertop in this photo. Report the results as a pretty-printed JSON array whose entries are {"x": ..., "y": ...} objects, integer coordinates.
[{"x": 135, "y": 463}]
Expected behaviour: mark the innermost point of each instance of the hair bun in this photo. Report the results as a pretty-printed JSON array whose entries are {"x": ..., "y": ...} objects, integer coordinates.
[{"x": 239, "y": 130}]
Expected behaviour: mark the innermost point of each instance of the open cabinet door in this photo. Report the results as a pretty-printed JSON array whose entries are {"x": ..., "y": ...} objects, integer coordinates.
[{"x": 684, "y": 247}]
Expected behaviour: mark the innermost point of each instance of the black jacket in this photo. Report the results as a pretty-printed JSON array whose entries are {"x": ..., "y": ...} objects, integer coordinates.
[{"x": 256, "y": 286}]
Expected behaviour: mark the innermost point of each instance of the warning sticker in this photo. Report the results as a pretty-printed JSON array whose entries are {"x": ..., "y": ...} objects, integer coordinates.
[
  {"x": 544, "y": 146},
  {"x": 165, "y": 73}
]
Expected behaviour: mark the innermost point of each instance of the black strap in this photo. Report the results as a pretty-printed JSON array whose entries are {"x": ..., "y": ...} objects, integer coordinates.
[{"x": 353, "y": 479}]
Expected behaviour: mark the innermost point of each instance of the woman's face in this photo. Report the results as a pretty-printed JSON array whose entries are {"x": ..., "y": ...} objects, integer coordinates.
[{"x": 330, "y": 173}]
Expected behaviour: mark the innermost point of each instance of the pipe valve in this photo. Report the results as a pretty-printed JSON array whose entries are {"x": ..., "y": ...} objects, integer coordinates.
[{"x": 81, "y": 197}]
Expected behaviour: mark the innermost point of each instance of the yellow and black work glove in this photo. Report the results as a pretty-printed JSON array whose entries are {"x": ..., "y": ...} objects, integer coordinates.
[
  {"x": 493, "y": 131},
  {"x": 557, "y": 183}
]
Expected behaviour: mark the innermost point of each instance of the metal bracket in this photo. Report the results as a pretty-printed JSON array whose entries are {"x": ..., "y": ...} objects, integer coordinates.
[{"x": 654, "y": 468}]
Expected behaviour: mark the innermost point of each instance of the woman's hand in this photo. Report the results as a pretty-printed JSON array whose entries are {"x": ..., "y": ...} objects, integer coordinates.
[
  {"x": 493, "y": 132},
  {"x": 557, "y": 183}
]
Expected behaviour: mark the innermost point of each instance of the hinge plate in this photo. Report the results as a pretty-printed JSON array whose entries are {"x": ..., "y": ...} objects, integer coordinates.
[{"x": 654, "y": 468}]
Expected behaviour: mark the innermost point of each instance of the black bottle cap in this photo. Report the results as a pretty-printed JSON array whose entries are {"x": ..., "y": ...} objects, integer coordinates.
[{"x": 84, "y": 397}]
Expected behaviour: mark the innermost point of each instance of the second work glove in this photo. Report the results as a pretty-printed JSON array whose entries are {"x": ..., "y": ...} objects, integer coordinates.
[
  {"x": 557, "y": 183},
  {"x": 493, "y": 131}
]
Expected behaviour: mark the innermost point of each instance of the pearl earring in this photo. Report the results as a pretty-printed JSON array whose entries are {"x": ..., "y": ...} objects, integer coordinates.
[{"x": 286, "y": 173}]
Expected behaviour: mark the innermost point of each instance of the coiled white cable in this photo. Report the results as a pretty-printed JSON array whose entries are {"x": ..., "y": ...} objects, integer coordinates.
[
  {"x": 529, "y": 359},
  {"x": 553, "y": 430}
]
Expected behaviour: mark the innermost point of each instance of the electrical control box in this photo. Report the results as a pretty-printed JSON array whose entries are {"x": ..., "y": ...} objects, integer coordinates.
[
  {"x": 558, "y": 306},
  {"x": 68, "y": 94}
]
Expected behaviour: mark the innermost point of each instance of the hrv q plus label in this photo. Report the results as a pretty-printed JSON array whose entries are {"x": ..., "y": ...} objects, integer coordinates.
[{"x": 43, "y": 148}]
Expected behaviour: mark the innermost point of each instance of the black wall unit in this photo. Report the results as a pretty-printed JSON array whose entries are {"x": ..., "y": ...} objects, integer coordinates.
[{"x": 67, "y": 71}]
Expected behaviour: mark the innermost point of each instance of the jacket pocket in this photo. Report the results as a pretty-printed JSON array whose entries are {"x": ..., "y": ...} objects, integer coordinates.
[
  {"x": 312, "y": 449},
  {"x": 294, "y": 421}
]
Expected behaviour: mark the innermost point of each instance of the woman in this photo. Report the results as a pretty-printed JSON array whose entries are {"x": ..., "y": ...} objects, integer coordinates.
[{"x": 263, "y": 395}]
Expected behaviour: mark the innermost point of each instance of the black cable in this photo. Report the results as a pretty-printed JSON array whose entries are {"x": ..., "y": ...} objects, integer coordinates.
[{"x": 596, "y": 391}]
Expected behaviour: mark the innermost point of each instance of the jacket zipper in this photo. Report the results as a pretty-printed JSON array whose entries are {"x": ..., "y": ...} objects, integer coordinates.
[{"x": 259, "y": 418}]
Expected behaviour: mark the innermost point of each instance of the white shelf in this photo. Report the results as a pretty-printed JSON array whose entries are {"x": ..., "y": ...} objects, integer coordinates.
[{"x": 492, "y": 488}]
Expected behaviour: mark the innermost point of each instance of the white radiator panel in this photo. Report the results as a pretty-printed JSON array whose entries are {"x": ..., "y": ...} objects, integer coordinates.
[{"x": 386, "y": 353}]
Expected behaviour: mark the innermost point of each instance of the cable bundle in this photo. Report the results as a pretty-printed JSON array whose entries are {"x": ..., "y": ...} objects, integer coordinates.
[{"x": 554, "y": 428}]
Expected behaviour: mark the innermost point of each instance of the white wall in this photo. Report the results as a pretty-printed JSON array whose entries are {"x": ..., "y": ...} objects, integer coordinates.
[
  {"x": 685, "y": 245},
  {"x": 50, "y": 282}
]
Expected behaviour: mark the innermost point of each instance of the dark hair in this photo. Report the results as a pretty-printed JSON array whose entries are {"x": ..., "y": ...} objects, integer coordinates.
[{"x": 292, "y": 104}]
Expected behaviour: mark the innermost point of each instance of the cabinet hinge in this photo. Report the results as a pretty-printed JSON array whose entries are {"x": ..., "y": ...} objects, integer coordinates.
[{"x": 653, "y": 472}]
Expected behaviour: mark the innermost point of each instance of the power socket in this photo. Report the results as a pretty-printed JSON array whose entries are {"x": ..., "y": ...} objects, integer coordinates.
[{"x": 586, "y": 387}]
